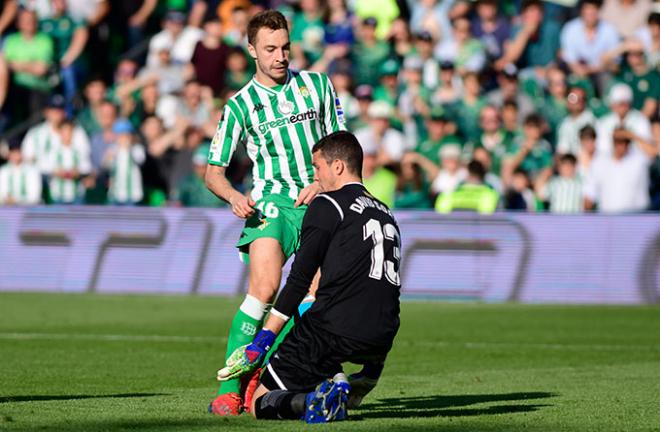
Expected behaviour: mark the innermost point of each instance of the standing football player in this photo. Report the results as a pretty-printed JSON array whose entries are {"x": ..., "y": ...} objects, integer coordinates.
[
  {"x": 355, "y": 241},
  {"x": 278, "y": 116}
]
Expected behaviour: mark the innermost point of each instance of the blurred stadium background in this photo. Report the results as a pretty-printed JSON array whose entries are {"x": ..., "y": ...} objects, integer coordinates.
[{"x": 517, "y": 141}]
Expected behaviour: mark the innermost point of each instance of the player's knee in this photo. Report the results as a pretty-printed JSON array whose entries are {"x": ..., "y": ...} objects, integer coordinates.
[{"x": 266, "y": 405}]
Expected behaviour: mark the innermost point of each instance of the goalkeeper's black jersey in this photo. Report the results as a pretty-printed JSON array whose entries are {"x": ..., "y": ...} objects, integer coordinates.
[{"x": 355, "y": 240}]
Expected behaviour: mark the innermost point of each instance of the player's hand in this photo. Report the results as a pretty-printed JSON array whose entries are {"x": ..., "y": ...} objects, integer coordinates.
[
  {"x": 308, "y": 194},
  {"x": 248, "y": 358},
  {"x": 242, "y": 206}
]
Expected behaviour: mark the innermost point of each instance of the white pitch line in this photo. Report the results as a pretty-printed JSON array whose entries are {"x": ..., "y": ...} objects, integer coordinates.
[{"x": 110, "y": 337}]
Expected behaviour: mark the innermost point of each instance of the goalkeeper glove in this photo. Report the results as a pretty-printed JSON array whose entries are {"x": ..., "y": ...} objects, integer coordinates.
[{"x": 248, "y": 358}]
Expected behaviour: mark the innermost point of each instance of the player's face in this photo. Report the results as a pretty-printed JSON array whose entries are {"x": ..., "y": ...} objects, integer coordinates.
[
  {"x": 271, "y": 54},
  {"x": 323, "y": 172}
]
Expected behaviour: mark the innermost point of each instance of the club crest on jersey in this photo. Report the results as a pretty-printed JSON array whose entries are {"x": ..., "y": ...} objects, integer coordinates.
[
  {"x": 304, "y": 92},
  {"x": 285, "y": 107}
]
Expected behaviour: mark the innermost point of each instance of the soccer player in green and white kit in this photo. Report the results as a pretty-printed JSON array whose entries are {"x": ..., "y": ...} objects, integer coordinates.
[{"x": 279, "y": 116}]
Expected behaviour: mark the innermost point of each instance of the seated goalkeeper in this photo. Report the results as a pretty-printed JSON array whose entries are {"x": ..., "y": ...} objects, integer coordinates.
[{"x": 355, "y": 241}]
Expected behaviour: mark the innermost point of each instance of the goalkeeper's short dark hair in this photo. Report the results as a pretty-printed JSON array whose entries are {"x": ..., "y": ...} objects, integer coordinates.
[{"x": 344, "y": 146}]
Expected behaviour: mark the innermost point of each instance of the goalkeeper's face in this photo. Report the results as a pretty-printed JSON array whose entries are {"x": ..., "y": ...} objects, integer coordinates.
[
  {"x": 324, "y": 172},
  {"x": 271, "y": 53}
]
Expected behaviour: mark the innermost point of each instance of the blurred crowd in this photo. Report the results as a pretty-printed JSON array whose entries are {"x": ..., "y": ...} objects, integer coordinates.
[{"x": 459, "y": 105}]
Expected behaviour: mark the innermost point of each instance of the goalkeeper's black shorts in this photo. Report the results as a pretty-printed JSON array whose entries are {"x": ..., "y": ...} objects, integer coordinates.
[{"x": 309, "y": 355}]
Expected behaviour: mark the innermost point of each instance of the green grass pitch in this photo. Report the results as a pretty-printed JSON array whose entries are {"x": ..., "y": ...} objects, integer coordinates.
[{"x": 147, "y": 363}]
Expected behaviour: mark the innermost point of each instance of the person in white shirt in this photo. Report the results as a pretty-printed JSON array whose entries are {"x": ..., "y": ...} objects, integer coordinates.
[
  {"x": 622, "y": 115},
  {"x": 124, "y": 159},
  {"x": 388, "y": 143},
  {"x": 68, "y": 166},
  {"x": 41, "y": 140},
  {"x": 175, "y": 34},
  {"x": 446, "y": 177},
  {"x": 20, "y": 183},
  {"x": 619, "y": 182},
  {"x": 579, "y": 116},
  {"x": 563, "y": 191}
]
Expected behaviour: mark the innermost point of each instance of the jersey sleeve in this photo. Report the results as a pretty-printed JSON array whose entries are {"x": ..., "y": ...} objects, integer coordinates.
[
  {"x": 334, "y": 118},
  {"x": 227, "y": 135},
  {"x": 319, "y": 225}
]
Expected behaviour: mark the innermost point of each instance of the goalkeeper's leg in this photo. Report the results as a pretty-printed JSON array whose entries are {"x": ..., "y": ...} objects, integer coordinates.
[{"x": 266, "y": 260}]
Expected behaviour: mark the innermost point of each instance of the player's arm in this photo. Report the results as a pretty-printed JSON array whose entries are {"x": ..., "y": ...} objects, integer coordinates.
[
  {"x": 227, "y": 135},
  {"x": 319, "y": 224}
]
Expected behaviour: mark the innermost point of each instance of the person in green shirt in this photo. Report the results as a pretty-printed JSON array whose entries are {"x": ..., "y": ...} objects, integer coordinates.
[
  {"x": 29, "y": 56},
  {"x": 553, "y": 103},
  {"x": 412, "y": 189},
  {"x": 642, "y": 79},
  {"x": 436, "y": 128},
  {"x": 496, "y": 140},
  {"x": 69, "y": 37},
  {"x": 307, "y": 32},
  {"x": 369, "y": 53},
  {"x": 466, "y": 110},
  {"x": 380, "y": 181},
  {"x": 472, "y": 195},
  {"x": 191, "y": 190},
  {"x": 530, "y": 152}
]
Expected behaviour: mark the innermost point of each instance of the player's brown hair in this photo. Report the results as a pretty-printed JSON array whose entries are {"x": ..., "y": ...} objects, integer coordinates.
[
  {"x": 270, "y": 19},
  {"x": 344, "y": 146}
]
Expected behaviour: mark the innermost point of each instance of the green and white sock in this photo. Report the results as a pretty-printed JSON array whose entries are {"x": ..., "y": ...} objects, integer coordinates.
[{"x": 247, "y": 322}]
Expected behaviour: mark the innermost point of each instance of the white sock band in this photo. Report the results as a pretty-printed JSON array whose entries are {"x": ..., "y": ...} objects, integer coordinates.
[{"x": 253, "y": 308}]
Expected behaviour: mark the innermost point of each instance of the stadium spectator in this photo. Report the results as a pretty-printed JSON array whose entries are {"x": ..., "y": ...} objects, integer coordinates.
[
  {"x": 368, "y": 53},
  {"x": 70, "y": 38},
  {"x": 585, "y": 39},
  {"x": 179, "y": 38},
  {"x": 530, "y": 152},
  {"x": 400, "y": 39},
  {"x": 209, "y": 58},
  {"x": 519, "y": 195},
  {"x": 626, "y": 15},
  {"x": 384, "y": 11},
  {"x": 191, "y": 190},
  {"x": 509, "y": 90},
  {"x": 636, "y": 73},
  {"x": 29, "y": 56},
  {"x": 380, "y": 181},
  {"x": 579, "y": 116},
  {"x": 123, "y": 159},
  {"x": 587, "y": 152},
  {"x": 68, "y": 166},
  {"x": 490, "y": 28},
  {"x": 619, "y": 181},
  {"x": 195, "y": 104},
  {"x": 437, "y": 135},
  {"x": 379, "y": 137},
  {"x": 446, "y": 177},
  {"x": 432, "y": 17},
  {"x": 130, "y": 18},
  {"x": 364, "y": 96},
  {"x": 472, "y": 195},
  {"x": 95, "y": 94},
  {"x": 20, "y": 182},
  {"x": 563, "y": 191},
  {"x": 491, "y": 179},
  {"x": 237, "y": 73},
  {"x": 341, "y": 75},
  {"x": 623, "y": 115},
  {"x": 467, "y": 109},
  {"x": 650, "y": 37},
  {"x": 496, "y": 140},
  {"x": 423, "y": 47},
  {"x": 466, "y": 52},
  {"x": 552, "y": 102},
  {"x": 412, "y": 189},
  {"x": 103, "y": 137},
  {"x": 450, "y": 85},
  {"x": 307, "y": 34},
  {"x": 509, "y": 113},
  {"x": 535, "y": 41}
]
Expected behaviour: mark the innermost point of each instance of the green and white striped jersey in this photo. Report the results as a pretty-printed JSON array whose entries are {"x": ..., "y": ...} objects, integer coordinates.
[{"x": 279, "y": 127}]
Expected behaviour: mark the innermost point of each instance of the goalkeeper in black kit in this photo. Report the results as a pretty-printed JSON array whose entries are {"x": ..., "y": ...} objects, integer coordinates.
[{"x": 355, "y": 241}]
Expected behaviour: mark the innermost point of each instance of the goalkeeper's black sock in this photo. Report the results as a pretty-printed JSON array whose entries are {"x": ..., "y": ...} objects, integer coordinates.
[{"x": 280, "y": 404}]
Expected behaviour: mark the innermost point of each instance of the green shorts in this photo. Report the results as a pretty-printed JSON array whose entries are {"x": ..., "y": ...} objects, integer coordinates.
[{"x": 275, "y": 217}]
